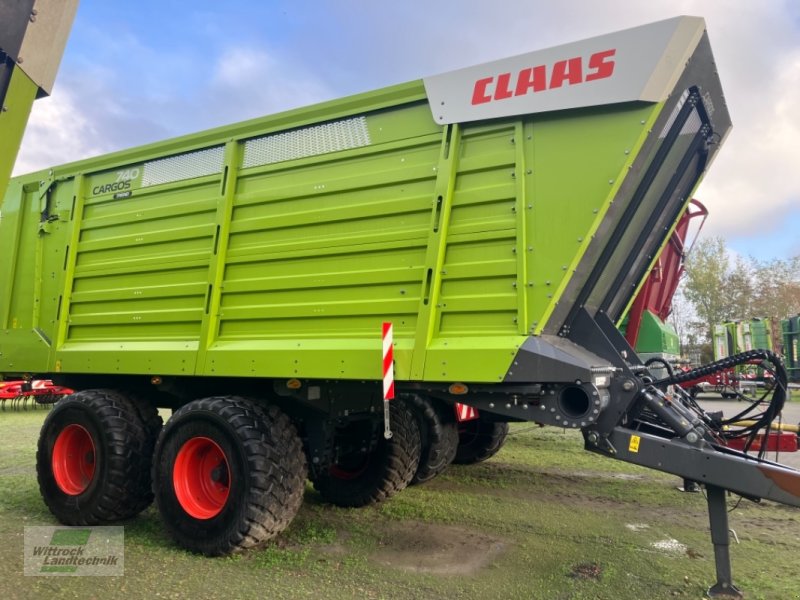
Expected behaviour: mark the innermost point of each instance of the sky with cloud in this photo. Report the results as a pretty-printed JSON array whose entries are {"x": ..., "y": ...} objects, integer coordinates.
[{"x": 140, "y": 72}]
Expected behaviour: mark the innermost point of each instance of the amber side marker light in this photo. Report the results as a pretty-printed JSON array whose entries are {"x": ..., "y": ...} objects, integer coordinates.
[{"x": 458, "y": 389}]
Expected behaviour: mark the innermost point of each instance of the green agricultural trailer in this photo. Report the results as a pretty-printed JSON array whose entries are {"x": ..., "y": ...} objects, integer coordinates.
[
  {"x": 790, "y": 330},
  {"x": 733, "y": 337},
  {"x": 500, "y": 218},
  {"x": 746, "y": 335},
  {"x": 32, "y": 39},
  {"x": 761, "y": 334}
]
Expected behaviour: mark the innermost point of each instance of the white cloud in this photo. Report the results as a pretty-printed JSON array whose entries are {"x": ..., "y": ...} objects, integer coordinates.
[
  {"x": 98, "y": 110},
  {"x": 240, "y": 66},
  {"x": 251, "y": 81},
  {"x": 756, "y": 177},
  {"x": 58, "y": 130}
]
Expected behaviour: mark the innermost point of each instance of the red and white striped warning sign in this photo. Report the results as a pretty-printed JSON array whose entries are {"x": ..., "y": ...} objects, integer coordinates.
[
  {"x": 465, "y": 413},
  {"x": 388, "y": 363}
]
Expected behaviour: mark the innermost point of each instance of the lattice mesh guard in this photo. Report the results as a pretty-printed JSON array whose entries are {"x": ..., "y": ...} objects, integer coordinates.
[
  {"x": 693, "y": 122},
  {"x": 183, "y": 166},
  {"x": 310, "y": 141}
]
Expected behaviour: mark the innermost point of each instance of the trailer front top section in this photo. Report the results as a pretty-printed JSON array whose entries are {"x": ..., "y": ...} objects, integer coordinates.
[
  {"x": 32, "y": 40},
  {"x": 479, "y": 211}
]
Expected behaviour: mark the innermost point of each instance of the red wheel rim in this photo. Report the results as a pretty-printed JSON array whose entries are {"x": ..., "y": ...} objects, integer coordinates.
[
  {"x": 468, "y": 432},
  {"x": 201, "y": 478},
  {"x": 73, "y": 460},
  {"x": 351, "y": 471}
]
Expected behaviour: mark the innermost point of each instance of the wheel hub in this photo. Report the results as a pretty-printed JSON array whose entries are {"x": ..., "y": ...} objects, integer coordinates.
[
  {"x": 73, "y": 460},
  {"x": 201, "y": 478}
]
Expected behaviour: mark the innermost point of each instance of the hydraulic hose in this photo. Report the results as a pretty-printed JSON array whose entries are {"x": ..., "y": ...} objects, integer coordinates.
[
  {"x": 780, "y": 427},
  {"x": 758, "y": 421},
  {"x": 728, "y": 363}
]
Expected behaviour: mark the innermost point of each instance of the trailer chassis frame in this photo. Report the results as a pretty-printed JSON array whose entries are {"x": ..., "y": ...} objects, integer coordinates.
[{"x": 685, "y": 446}]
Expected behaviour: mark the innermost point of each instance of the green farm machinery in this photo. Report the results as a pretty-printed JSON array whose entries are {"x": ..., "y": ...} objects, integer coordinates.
[
  {"x": 32, "y": 40},
  {"x": 501, "y": 218},
  {"x": 790, "y": 332}
]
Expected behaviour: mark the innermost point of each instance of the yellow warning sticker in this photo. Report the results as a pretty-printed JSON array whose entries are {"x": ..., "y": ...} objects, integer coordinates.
[{"x": 634, "y": 445}]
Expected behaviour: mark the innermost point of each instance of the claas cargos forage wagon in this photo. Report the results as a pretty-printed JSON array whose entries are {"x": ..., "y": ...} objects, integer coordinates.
[{"x": 500, "y": 219}]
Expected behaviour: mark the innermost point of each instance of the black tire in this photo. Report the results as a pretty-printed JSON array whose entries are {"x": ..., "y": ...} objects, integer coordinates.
[
  {"x": 152, "y": 423},
  {"x": 438, "y": 436},
  {"x": 264, "y": 473},
  {"x": 108, "y": 479},
  {"x": 479, "y": 440},
  {"x": 360, "y": 479},
  {"x": 148, "y": 413}
]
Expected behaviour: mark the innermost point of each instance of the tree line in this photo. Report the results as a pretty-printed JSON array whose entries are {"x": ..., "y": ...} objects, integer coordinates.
[{"x": 719, "y": 286}]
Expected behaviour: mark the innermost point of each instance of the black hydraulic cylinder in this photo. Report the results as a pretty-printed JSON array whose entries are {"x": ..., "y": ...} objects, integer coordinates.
[{"x": 674, "y": 415}]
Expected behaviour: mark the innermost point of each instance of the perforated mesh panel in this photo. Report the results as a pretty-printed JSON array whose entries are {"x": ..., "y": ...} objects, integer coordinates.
[
  {"x": 693, "y": 123},
  {"x": 311, "y": 141},
  {"x": 183, "y": 166}
]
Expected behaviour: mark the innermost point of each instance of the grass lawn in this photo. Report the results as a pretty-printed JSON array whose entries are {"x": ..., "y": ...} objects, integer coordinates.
[{"x": 541, "y": 520}]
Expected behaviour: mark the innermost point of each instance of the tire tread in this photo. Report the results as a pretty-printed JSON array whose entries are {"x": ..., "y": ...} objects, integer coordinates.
[
  {"x": 277, "y": 472},
  {"x": 126, "y": 490},
  {"x": 397, "y": 458}
]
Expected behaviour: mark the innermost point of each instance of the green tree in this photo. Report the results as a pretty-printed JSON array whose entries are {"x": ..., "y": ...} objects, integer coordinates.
[
  {"x": 777, "y": 287},
  {"x": 722, "y": 288},
  {"x": 707, "y": 282}
]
